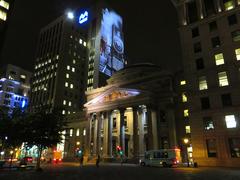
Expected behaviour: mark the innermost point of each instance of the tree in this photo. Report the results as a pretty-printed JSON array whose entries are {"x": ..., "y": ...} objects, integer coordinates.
[{"x": 45, "y": 130}]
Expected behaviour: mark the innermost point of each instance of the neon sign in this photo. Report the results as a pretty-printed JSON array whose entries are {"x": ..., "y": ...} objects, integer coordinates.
[{"x": 83, "y": 17}]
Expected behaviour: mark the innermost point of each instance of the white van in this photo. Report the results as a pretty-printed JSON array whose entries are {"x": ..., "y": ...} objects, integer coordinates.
[{"x": 161, "y": 157}]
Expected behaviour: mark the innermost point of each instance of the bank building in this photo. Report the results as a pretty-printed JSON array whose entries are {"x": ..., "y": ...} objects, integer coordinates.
[{"x": 126, "y": 113}]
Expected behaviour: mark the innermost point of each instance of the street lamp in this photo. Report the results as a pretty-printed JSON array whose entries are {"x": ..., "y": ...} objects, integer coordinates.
[
  {"x": 186, "y": 141},
  {"x": 70, "y": 15}
]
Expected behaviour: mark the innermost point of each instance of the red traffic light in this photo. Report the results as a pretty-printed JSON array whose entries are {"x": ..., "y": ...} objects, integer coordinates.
[{"x": 119, "y": 148}]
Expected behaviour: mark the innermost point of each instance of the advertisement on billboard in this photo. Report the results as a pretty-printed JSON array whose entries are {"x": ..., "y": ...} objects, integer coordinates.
[{"x": 111, "y": 45}]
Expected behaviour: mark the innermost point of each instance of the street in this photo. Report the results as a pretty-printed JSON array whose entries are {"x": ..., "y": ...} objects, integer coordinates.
[{"x": 72, "y": 171}]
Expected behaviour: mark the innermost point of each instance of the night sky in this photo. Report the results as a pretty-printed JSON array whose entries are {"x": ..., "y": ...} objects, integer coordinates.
[{"x": 150, "y": 30}]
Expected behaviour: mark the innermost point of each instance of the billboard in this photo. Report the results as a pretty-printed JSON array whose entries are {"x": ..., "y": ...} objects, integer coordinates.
[{"x": 111, "y": 44}]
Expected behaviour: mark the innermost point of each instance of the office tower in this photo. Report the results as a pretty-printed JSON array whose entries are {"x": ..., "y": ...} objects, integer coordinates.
[
  {"x": 6, "y": 7},
  {"x": 14, "y": 88},
  {"x": 210, "y": 40},
  {"x": 61, "y": 60}
]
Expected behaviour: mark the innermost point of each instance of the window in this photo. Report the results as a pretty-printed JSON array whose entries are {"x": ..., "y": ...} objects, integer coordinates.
[
  {"x": 66, "y": 84},
  {"x": 212, "y": 26},
  {"x": 197, "y": 47},
  {"x": 226, "y": 100},
  {"x": 71, "y": 132},
  {"x": 64, "y": 102},
  {"x": 234, "y": 145},
  {"x": 71, "y": 86},
  {"x": 78, "y": 132},
  {"x": 232, "y": 20},
  {"x": 230, "y": 121},
  {"x": 209, "y": 7},
  {"x": 4, "y": 4},
  {"x": 228, "y": 4},
  {"x": 3, "y": 15},
  {"x": 236, "y": 35},
  {"x": 73, "y": 69},
  {"x": 216, "y": 42},
  {"x": 211, "y": 147},
  {"x": 237, "y": 52},
  {"x": 186, "y": 113},
  {"x": 222, "y": 78},
  {"x": 114, "y": 123},
  {"x": 192, "y": 11},
  {"x": 183, "y": 82},
  {"x": 205, "y": 104},
  {"x": 74, "y": 61},
  {"x": 63, "y": 112},
  {"x": 67, "y": 76},
  {"x": 84, "y": 132},
  {"x": 199, "y": 63},
  {"x": 184, "y": 97},
  {"x": 68, "y": 67},
  {"x": 208, "y": 123},
  {"x": 162, "y": 116},
  {"x": 219, "y": 60},
  {"x": 84, "y": 44},
  {"x": 69, "y": 103},
  {"x": 195, "y": 32},
  {"x": 80, "y": 41},
  {"x": 188, "y": 129},
  {"x": 203, "y": 83}
]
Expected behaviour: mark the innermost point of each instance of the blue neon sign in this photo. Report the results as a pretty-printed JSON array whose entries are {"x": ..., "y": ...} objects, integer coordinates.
[{"x": 83, "y": 17}]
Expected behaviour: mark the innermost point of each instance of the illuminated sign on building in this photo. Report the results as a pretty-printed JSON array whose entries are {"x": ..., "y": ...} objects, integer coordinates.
[
  {"x": 111, "y": 45},
  {"x": 83, "y": 17}
]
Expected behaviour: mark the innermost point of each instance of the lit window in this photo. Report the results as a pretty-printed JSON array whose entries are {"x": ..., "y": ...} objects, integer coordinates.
[
  {"x": 71, "y": 132},
  {"x": 77, "y": 132},
  {"x": 223, "y": 79},
  {"x": 184, "y": 97},
  {"x": 57, "y": 57},
  {"x": 70, "y": 103},
  {"x": 80, "y": 41},
  {"x": 230, "y": 121},
  {"x": 67, "y": 76},
  {"x": 208, "y": 123},
  {"x": 84, "y": 132},
  {"x": 23, "y": 76},
  {"x": 219, "y": 60},
  {"x": 74, "y": 61},
  {"x": 84, "y": 44},
  {"x": 66, "y": 84},
  {"x": 228, "y": 4},
  {"x": 71, "y": 86},
  {"x": 3, "y": 15},
  {"x": 186, "y": 113},
  {"x": 73, "y": 69},
  {"x": 63, "y": 112},
  {"x": 4, "y": 4},
  {"x": 203, "y": 83},
  {"x": 237, "y": 52},
  {"x": 68, "y": 67},
  {"x": 188, "y": 129},
  {"x": 69, "y": 112},
  {"x": 64, "y": 102},
  {"x": 183, "y": 82}
]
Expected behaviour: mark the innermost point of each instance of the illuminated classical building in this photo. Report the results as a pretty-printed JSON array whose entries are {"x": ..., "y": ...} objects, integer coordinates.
[
  {"x": 127, "y": 112},
  {"x": 210, "y": 39},
  {"x": 14, "y": 88}
]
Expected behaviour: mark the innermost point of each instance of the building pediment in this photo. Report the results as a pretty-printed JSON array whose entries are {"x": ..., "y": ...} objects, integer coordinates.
[{"x": 113, "y": 94}]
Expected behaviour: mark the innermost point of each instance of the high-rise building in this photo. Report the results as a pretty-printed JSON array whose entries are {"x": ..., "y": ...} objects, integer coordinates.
[
  {"x": 5, "y": 10},
  {"x": 61, "y": 60},
  {"x": 210, "y": 40},
  {"x": 77, "y": 52},
  {"x": 14, "y": 87}
]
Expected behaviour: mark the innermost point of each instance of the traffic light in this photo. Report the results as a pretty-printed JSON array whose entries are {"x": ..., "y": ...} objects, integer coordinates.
[{"x": 119, "y": 150}]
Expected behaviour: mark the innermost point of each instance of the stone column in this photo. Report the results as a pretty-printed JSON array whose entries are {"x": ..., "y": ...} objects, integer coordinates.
[
  {"x": 154, "y": 129},
  {"x": 122, "y": 130},
  {"x": 110, "y": 126},
  {"x": 149, "y": 128},
  {"x": 141, "y": 131},
  {"x": 89, "y": 136},
  {"x": 99, "y": 123},
  {"x": 135, "y": 132},
  {"x": 200, "y": 9},
  {"x": 95, "y": 121}
]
